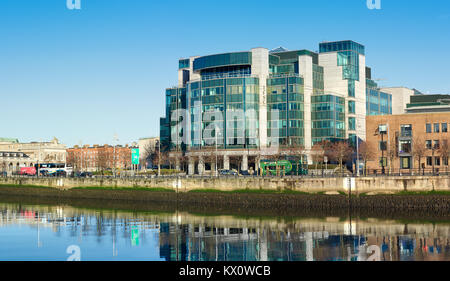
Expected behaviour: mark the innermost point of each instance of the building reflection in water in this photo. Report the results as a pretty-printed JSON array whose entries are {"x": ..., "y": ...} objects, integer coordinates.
[{"x": 187, "y": 237}]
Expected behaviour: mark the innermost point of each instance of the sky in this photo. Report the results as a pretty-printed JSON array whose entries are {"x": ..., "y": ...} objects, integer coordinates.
[{"x": 85, "y": 75}]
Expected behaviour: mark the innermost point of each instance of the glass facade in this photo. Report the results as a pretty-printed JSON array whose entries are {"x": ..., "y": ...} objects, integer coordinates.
[
  {"x": 223, "y": 102},
  {"x": 328, "y": 118},
  {"x": 226, "y": 110},
  {"x": 242, "y": 58},
  {"x": 377, "y": 102},
  {"x": 285, "y": 111},
  {"x": 175, "y": 104},
  {"x": 342, "y": 46},
  {"x": 184, "y": 63},
  {"x": 318, "y": 83}
]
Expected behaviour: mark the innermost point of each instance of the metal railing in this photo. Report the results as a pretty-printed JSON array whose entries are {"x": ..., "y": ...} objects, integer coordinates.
[{"x": 437, "y": 171}]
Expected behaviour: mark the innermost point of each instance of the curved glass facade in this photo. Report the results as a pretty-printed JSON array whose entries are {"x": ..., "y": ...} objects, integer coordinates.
[
  {"x": 224, "y": 109},
  {"x": 242, "y": 58}
]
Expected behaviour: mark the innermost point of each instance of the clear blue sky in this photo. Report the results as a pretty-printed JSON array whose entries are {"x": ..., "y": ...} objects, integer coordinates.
[{"x": 88, "y": 74}]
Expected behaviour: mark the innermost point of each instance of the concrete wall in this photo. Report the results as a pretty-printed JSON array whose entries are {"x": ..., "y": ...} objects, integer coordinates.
[
  {"x": 400, "y": 98},
  {"x": 311, "y": 185}
]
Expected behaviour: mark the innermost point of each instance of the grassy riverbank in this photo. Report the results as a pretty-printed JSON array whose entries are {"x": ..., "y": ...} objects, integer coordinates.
[
  {"x": 250, "y": 191},
  {"x": 237, "y": 191}
]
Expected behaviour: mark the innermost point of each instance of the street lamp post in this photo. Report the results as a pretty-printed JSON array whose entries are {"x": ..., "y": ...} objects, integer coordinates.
[
  {"x": 382, "y": 154},
  {"x": 215, "y": 133},
  {"x": 159, "y": 157},
  {"x": 357, "y": 149},
  {"x": 115, "y": 139}
]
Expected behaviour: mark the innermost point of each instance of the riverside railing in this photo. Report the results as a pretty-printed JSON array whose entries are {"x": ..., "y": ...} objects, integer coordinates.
[{"x": 316, "y": 174}]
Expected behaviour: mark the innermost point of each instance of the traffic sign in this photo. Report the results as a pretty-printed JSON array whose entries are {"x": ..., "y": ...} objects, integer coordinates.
[{"x": 135, "y": 156}]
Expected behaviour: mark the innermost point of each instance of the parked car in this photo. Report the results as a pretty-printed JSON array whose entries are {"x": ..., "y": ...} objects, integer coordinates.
[
  {"x": 84, "y": 175},
  {"x": 227, "y": 173},
  {"x": 245, "y": 173}
]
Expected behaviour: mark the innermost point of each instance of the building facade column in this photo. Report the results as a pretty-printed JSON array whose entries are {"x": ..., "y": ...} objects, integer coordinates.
[
  {"x": 244, "y": 164},
  {"x": 191, "y": 166},
  {"x": 177, "y": 164},
  {"x": 201, "y": 165},
  {"x": 226, "y": 162}
]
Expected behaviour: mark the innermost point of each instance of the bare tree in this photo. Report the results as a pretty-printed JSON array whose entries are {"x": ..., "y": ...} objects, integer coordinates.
[
  {"x": 318, "y": 152},
  {"x": 3, "y": 167},
  {"x": 72, "y": 160},
  {"x": 392, "y": 153},
  {"x": 366, "y": 153},
  {"x": 444, "y": 152},
  {"x": 125, "y": 158},
  {"x": 341, "y": 152},
  {"x": 419, "y": 150},
  {"x": 147, "y": 153},
  {"x": 102, "y": 159},
  {"x": 209, "y": 156},
  {"x": 295, "y": 151}
]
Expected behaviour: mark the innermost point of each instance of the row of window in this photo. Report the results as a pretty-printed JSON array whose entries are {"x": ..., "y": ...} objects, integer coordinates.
[
  {"x": 437, "y": 128},
  {"x": 406, "y": 162},
  {"x": 405, "y": 145}
]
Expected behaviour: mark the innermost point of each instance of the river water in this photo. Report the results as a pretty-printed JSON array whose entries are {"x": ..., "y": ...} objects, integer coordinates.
[{"x": 61, "y": 232}]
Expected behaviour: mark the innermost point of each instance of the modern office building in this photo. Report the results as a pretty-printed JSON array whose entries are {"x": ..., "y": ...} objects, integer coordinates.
[{"x": 246, "y": 102}]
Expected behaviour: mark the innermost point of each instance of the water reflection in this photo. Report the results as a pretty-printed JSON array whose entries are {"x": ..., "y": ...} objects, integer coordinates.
[{"x": 30, "y": 232}]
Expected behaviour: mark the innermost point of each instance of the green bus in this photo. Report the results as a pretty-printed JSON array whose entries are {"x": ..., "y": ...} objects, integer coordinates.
[{"x": 283, "y": 167}]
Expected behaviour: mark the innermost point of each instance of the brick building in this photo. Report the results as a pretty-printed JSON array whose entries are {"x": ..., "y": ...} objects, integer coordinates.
[
  {"x": 404, "y": 143},
  {"x": 99, "y": 158}
]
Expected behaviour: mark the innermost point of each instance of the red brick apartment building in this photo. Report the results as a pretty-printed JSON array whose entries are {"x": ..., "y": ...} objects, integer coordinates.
[
  {"x": 408, "y": 142},
  {"x": 99, "y": 158}
]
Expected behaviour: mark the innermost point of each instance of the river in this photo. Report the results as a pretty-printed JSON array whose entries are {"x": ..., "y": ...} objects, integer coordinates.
[{"x": 59, "y": 232}]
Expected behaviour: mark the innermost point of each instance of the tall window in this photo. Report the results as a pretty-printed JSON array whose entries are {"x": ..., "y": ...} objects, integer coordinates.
[
  {"x": 406, "y": 130},
  {"x": 437, "y": 161},
  {"x": 444, "y": 128},
  {"x": 428, "y": 144},
  {"x": 436, "y": 144},
  {"x": 351, "y": 107},
  {"x": 428, "y": 128},
  {"x": 429, "y": 161},
  {"x": 405, "y": 146},
  {"x": 352, "y": 123},
  {"x": 436, "y": 127}
]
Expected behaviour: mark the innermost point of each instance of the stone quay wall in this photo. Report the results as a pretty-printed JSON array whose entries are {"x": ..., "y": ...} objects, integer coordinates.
[{"x": 360, "y": 185}]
